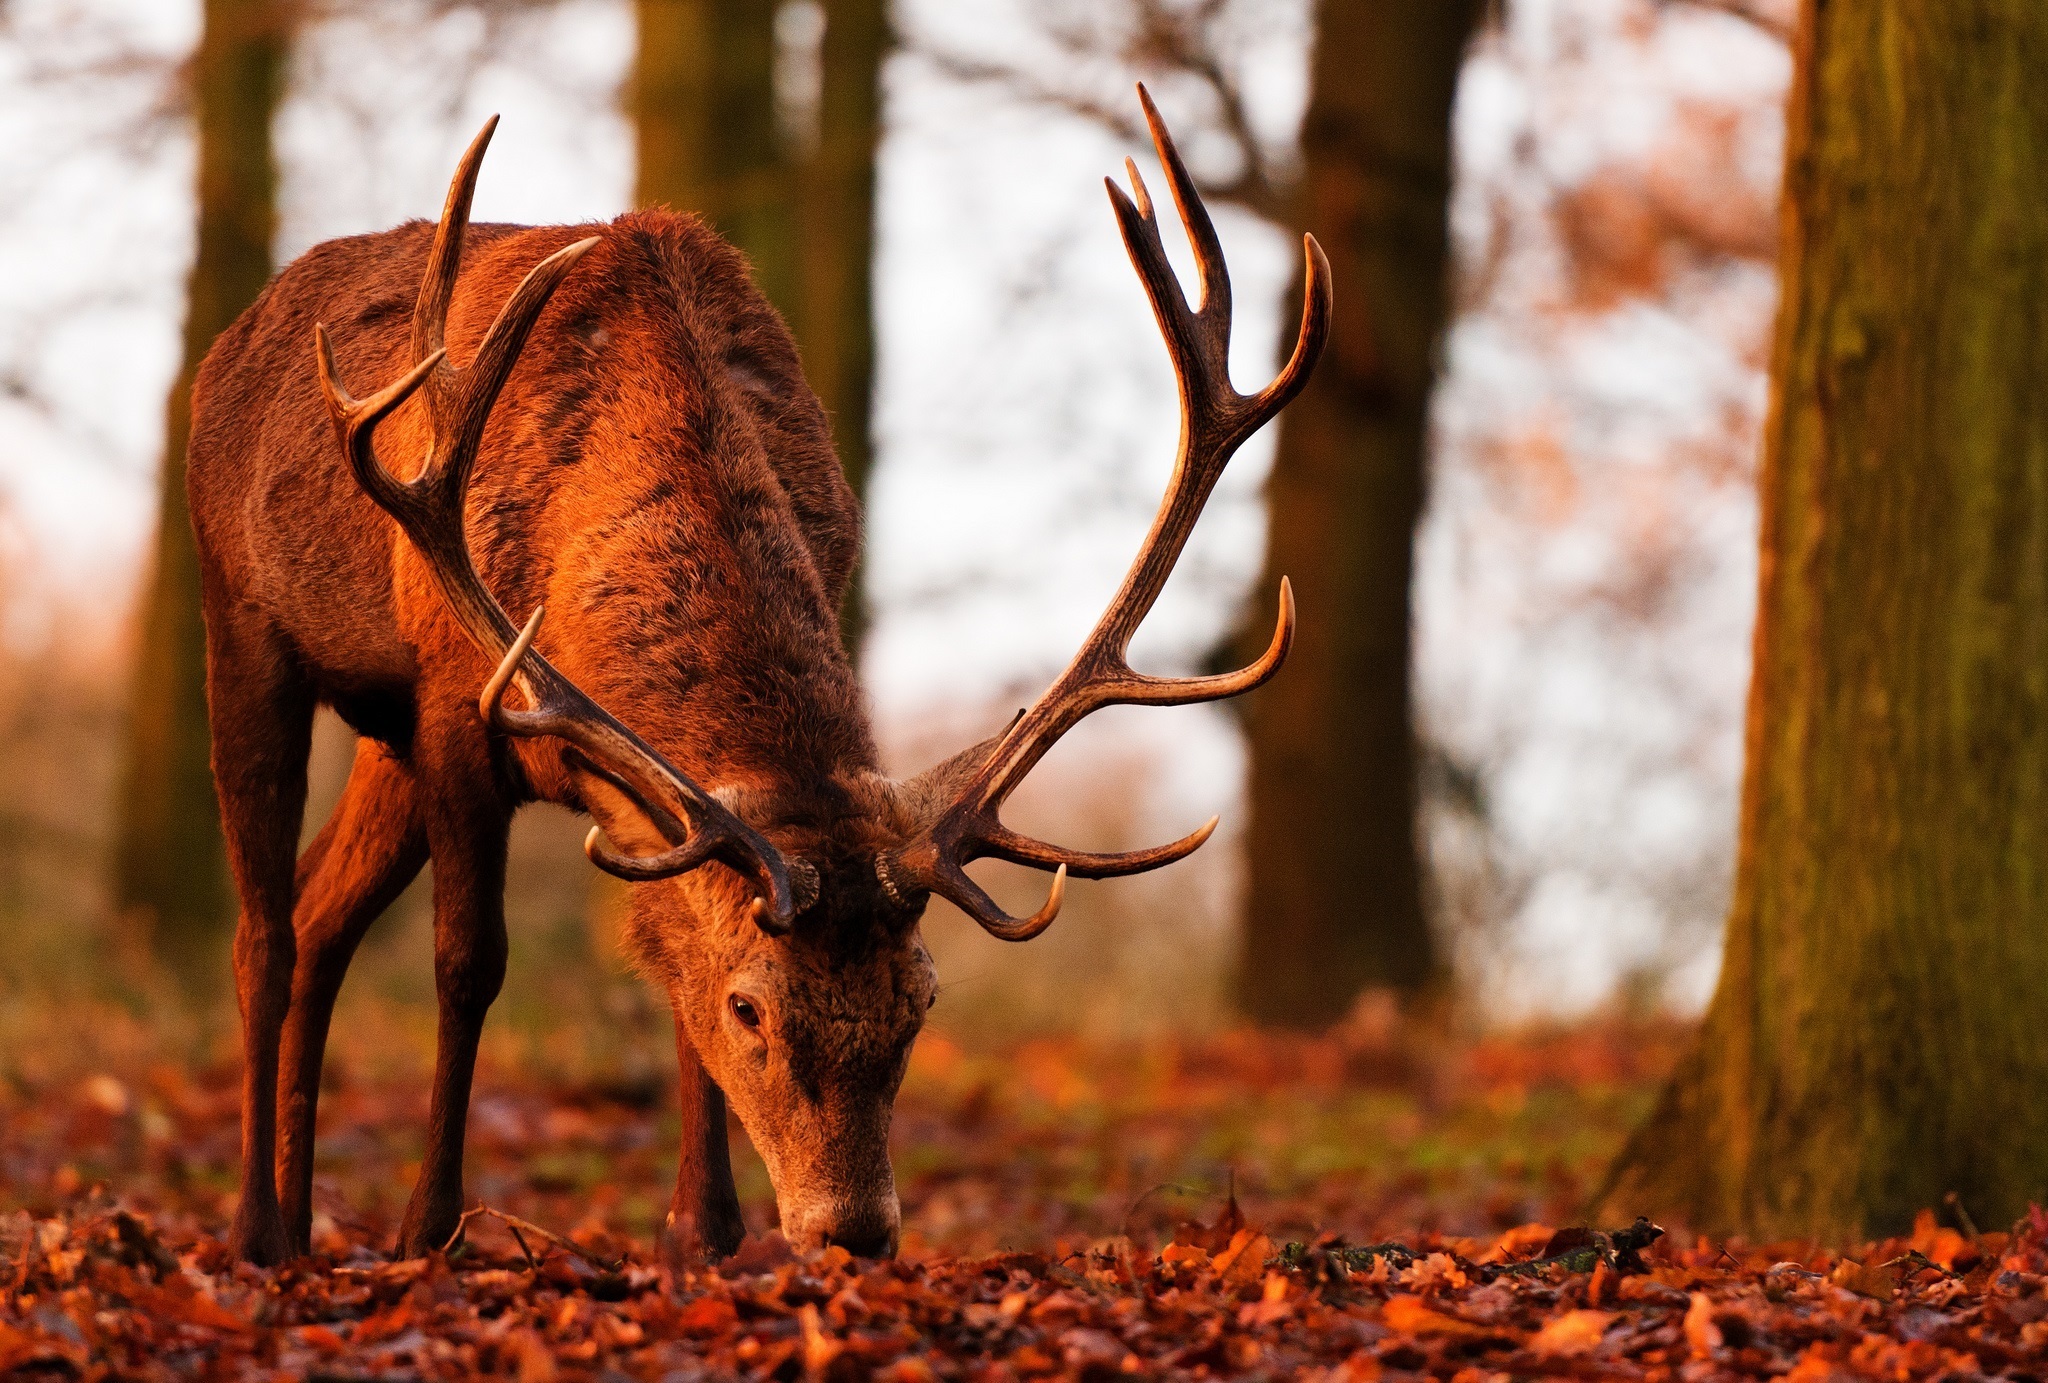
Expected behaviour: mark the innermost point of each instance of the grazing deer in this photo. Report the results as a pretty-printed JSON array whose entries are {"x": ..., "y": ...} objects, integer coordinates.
[{"x": 628, "y": 444}]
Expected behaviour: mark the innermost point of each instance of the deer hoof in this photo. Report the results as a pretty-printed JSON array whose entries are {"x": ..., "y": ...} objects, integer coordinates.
[{"x": 258, "y": 1237}]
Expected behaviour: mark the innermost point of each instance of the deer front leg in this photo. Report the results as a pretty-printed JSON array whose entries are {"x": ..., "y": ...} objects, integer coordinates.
[
  {"x": 466, "y": 834},
  {"x": 704, "y": 1222},
  {"x": 369, "y": 850}
]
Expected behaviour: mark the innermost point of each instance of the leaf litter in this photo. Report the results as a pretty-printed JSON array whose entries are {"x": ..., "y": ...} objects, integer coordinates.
[{"x": 110, "y": 1264}]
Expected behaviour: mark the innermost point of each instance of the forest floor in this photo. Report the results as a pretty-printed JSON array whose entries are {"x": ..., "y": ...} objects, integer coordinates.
[{"x": 1401, "y": 1208}]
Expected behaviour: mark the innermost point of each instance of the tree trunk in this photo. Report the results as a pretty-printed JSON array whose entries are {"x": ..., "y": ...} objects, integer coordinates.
[
  {"x": 799, "y": 205},
  {"x": 171, "y": 871},
  {"x": 1877, "y": 1040},
  {"x": 704, "y": 118},
  {"x": 1335, "y": 902},
  {"x": 837, "y": 328}
]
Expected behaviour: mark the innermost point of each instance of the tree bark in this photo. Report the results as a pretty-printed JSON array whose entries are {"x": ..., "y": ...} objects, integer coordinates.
[
  {"x": 704, "y": 118},
  {"x": 837, "y": 328},
  {"x": 1877, "y": 1040},
  {"x": 1335, "y": 902},
  {"x": 801, "y": 211},
  {"x": 170, "y": 863}
]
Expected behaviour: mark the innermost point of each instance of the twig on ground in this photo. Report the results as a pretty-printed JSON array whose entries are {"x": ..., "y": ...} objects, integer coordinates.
[
  {"x": 515, "y": 1224},
  {"x": 1164, "y": 1186}
]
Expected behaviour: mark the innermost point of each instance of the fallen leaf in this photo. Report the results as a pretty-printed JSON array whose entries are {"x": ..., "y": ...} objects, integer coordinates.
[
  {"x": 1407, "y": 1315},
  {"x": 1245, "y": 1259},
  {"x": 1700, "y": 1331},
  {"x": 707, "y": 1316},
  {"x": 1573, "y": 1333},
  {"x": 1876, "y": 1280}
]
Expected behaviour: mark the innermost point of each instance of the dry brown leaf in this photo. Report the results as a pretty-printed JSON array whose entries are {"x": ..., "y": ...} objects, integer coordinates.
[{"x": 1877, "y": 1280}]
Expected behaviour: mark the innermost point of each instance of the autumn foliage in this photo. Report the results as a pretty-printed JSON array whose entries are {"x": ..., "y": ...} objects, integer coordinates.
[{"x": 1350, "y": 1207}]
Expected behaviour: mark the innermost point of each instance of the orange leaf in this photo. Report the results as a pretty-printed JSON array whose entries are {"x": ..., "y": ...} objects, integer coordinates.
[
  {"x": 1409, "y": 1316},
  {"x": 321, "y": 1338},
  {"x": 1700, "y": 1331},
  {"x": 1246, "y": 1257},
  {"x": 1938, "y": 1244},
  {"x": 1523, "y": 1239},
  {"x": 1600, "y": 1287},
  {"x": 178, "y": 1300},
  {"x": 707, "y": 1316},
  {"x": 1878, "y": 1280},
  {"x": 1575, "y": 1332}
]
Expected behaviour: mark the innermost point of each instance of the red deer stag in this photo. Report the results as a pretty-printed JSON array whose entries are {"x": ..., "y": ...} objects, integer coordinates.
[{"x": 629, "y": 444}]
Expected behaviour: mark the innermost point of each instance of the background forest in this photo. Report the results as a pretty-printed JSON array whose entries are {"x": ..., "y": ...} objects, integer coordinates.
[
  {"x": 1558, "y": 410},
  {"x": 1649, "y": 821}
]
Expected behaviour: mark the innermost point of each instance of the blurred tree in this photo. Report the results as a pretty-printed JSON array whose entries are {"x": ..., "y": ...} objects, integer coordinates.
[
  {"x": 704, "y": 117},
  {"x": 170, "y": 868},
  {"x": 1336, "y": 896},
  {"x": 1876, "y": 1040},
  {"x": 764, "y": 119},
  {"x": 836, "y": 324}
]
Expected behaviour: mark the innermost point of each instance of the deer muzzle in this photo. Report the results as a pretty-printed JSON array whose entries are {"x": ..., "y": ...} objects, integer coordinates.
[{"x": 866, "y": 1227}]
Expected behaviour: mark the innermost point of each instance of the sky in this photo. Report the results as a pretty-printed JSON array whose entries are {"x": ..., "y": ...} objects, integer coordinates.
[{"x": 1585, "y": 575}]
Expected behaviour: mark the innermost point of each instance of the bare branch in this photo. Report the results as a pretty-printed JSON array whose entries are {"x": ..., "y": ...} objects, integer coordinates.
[{"x": 1160, "y": 41}]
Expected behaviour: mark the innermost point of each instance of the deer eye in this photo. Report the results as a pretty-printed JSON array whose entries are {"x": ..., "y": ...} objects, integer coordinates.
[{"x": 744, "y": 1010}]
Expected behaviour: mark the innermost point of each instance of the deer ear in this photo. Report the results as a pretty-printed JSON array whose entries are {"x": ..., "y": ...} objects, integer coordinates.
[{"x": 619, "y": 816}]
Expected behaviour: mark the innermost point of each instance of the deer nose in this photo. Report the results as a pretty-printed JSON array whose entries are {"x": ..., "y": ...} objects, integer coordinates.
[
  {"x": 864, "y": 1240},
  {"x": 863, "y": 1230}
]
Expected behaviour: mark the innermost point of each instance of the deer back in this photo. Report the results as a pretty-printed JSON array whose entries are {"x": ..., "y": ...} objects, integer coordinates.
[{"x": 656, "y": 471}]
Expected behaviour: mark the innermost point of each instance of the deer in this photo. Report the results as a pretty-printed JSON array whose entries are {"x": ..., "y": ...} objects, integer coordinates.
[{"x": 606, "y": 427}]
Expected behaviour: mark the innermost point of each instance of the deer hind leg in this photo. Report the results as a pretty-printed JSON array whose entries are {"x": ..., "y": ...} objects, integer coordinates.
[
  {"x": 466, "y": 824},
  {"x": 369, "y": 850},
  {"x": 704, "y": 1219},
  {"x": 261, "y": 709}
]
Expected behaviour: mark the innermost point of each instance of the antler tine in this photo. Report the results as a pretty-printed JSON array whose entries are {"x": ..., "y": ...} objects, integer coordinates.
[
  {"x": 1215, "y": 303},
  {"x": 430, "y": 509},
  {"x": 355, "y": 420},
  {"x": 476, "y": 388},
  {"x": 1215, "y": 419},
  {"x": 1005, "y": 844},
  {"x": 968, "y": 896},
  {"x": 444, "y": 261},
  {"x": 1308, "y": 341}
]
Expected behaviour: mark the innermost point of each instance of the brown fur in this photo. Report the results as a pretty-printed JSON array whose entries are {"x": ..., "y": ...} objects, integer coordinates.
[{"x": 658, "y": 473}]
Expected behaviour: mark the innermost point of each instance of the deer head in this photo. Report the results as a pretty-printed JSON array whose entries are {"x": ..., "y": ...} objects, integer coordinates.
[{"x": 782, "y": 913}]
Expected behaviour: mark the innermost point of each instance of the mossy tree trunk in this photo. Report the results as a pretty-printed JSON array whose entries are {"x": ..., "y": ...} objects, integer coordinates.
[
  {"x": 1877, "y": 1040},
  {"x": 798, "y": 204},
  {"x": 170, "y": 864},
  {"x": 1335, "y": 900}
]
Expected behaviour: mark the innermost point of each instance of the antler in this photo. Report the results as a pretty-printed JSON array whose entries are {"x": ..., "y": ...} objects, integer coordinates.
[
  {"x": 959, "y": 801},
  {"x": 430, "y": 510}
]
